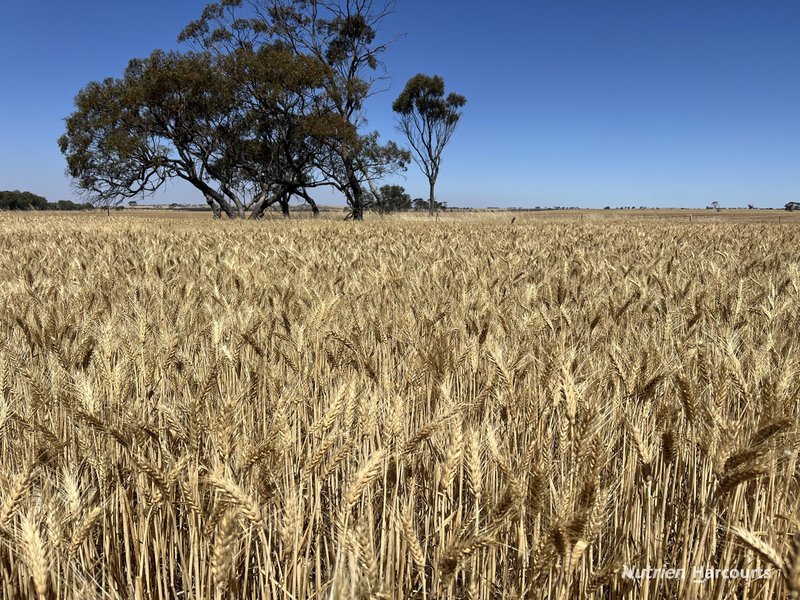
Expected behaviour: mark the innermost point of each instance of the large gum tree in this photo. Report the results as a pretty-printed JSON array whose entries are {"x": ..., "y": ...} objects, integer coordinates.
[
  {"x": 243, "y": 129},
  {"x": 344, "y": 38}
]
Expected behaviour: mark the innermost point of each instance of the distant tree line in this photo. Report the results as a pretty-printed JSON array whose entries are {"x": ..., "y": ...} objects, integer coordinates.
[
  {"x": 16, "y": 200},
  {"x": 394, "y": 198},
  {"x": 266, "y": 105}
]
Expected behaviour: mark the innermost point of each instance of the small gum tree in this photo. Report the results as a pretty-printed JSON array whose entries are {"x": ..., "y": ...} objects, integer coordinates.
[{"x": 428, "y": 119}]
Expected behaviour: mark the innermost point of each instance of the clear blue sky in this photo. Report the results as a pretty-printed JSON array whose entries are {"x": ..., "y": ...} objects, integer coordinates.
[{"x": 575, "y": 103}]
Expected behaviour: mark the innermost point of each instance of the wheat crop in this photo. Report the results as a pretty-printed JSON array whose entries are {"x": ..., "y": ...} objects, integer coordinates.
[{"x": 397, "y": 409}]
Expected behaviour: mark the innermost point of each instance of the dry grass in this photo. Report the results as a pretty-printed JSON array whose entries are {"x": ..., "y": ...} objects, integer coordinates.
[{"x": 396, "y": 409}]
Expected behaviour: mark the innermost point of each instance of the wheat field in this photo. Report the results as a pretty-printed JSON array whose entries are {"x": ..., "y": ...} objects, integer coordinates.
[{"x": 399, "y": 409}]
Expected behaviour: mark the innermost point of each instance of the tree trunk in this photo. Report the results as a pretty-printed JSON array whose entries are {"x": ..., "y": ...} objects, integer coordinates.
[
  {"x": 213, "y": 197},
  {"x": 432, "y": 195},
  {"x": 261, "y": 208},
  {"x": 261, "y": 204},
  {"x": 355, "y": 193},
  {"x": 356, "y": 201},
  {"x": 305, "y": 195},
  {"x": 215, "y": 209},
  {"x": 284, "y": 202},
  {"x": 229, "y": 212},
  {"x": 355, "y": 198}
]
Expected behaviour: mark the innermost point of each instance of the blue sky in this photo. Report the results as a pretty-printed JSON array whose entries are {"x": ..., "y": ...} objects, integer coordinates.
[{"x": 573, "y": 103}]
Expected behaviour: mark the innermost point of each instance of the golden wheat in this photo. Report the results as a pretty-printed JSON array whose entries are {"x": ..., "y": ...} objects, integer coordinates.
[{"x": 397, "y": 409}]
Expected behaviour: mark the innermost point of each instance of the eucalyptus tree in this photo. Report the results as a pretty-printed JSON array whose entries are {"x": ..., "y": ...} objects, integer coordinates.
[
  {"x": 392, "y": 198},
  {"x": 237, "y": 128},
  {"x": 17, "y": 200},
  {"x": 428, "y": 120},
  {"x": 289, "y": 122},
  {"x": 343, "y": 37},
  {"x": 168, "y": 116}
]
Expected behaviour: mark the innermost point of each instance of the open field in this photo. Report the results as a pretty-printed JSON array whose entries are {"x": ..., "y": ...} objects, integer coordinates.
[
  {"x": 398, "y": 408},
  {"x": 337, "y": 213}
]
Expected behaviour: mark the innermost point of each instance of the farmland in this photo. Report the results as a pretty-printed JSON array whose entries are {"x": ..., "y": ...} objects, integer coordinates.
[{"x": 399, "y": 408}]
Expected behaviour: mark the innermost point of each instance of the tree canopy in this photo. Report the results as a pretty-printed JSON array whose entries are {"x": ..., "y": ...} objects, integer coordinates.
[
  {"x": 267, "y": 105},
  {"x": 391, "y": 198},
  {"x": 344, "y": 37},
  {"x": 235, "y": 127},
  {"x": 16, "y": 200}
]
